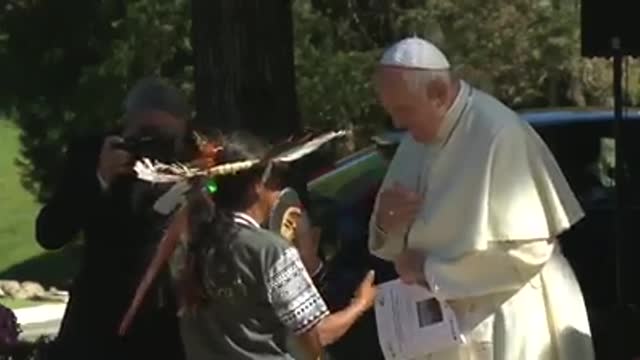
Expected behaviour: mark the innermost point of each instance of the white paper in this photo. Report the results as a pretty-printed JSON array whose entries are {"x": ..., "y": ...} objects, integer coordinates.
[{"x": 412, "y": 322}]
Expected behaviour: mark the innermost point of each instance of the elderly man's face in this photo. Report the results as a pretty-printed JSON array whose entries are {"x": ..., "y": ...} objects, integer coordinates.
[
  {"x": 157, "y": 120},
  {"x": 411, "y": 110}
]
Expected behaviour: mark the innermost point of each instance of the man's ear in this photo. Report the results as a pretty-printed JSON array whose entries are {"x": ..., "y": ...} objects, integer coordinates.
[{"x": 437, "y": 91}]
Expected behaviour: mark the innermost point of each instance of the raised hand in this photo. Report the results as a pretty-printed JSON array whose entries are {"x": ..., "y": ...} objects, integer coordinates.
[
  {"x": 113, "y": 162},
  {"x": 409, "y": 266},
  {"x": 365, "y": 294},
  {"x": 397, "y": 207}
]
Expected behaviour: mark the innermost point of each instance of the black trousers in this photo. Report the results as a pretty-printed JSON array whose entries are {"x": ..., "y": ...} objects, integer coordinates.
[{"x": 156, "y": 335}]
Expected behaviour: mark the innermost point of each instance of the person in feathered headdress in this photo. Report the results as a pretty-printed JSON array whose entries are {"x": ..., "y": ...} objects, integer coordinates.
[{"x": 243, "y": 289}]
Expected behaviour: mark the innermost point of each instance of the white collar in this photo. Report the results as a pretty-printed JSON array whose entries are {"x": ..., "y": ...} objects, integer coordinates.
[
  {"x": 244, "y": 219},
  {"x": 455, "y": 112}
]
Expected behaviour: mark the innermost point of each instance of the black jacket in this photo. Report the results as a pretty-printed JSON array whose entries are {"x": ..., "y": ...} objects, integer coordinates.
[{"x": 118, "y": 242}]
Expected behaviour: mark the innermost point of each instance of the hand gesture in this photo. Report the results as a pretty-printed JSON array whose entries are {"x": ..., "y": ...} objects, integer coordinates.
[
  {"x": 113, "y": 162},
  {"x": 365, "y": 295},
  {"x": 397, "y": 207},
  {"x": 409, "y": 266}
]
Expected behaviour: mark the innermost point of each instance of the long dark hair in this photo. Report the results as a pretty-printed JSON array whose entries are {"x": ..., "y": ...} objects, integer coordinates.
[{"x": 209, "y": 260}]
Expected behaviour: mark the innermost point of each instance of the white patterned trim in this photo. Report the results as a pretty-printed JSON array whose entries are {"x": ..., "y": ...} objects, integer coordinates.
[{"x": 290, "y": 290}]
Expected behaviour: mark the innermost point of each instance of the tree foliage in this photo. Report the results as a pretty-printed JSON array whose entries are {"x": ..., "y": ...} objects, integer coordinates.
[
  {"x": 67, "y": 64},
  {"x": 332, "y": 76}
]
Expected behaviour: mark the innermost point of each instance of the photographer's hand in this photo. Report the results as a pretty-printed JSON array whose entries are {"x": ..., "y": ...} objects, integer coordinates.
[{"x": 113, "y": 162}]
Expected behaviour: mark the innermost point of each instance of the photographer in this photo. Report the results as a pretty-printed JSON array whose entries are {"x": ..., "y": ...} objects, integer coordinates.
[{"x": 100, "y": 198}]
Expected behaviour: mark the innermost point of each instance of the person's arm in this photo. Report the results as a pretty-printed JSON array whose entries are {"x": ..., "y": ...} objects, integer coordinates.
[
  {"x": 330, "y": 329},
  {"x": 334, "y": 326},
  {"x": 319, "y": 276},
  {"x": 299, "y": 306},
  {"x": 307, "y": 241},
  {"x": 529, "y": 199},
  {"x": 402, "y": 170},
  {"x": 504, "y": 266},
  {"x": 382, "y": 244},
  {"x": 61, "y": 218}
]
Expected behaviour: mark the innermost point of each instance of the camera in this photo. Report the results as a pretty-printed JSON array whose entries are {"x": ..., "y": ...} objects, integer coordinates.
[
  {"x": 158, "y": 147},
  {"x": 134, "y": 145}
]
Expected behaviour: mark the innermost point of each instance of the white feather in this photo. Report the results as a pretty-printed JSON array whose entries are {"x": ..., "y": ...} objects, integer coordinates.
[
  {"x": 308, "y": 147},
  {"x": 172, "y": 198},
  {"x": 157, "y": 172}
]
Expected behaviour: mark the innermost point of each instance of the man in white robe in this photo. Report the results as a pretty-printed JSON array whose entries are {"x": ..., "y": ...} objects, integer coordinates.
[{"x": 471, "y": 207}]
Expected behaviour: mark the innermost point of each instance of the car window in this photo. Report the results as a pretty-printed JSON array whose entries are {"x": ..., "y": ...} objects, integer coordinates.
[{"x": 585, "y": 152}]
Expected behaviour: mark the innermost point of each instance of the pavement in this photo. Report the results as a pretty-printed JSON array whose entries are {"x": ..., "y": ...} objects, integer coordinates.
[
  {"x": 32, "y": 332},
  {"x": 41, "y": 320}
]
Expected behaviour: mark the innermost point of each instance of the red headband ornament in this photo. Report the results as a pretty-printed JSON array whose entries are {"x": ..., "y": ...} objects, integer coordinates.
[{"x": 209, "y": 153}]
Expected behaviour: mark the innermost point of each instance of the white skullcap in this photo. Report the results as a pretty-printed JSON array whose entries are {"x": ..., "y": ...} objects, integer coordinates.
[{"x": 415, "y": 53}]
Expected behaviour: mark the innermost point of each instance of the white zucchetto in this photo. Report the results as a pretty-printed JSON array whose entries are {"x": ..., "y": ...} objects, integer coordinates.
[{"x": 415, "y": 53}]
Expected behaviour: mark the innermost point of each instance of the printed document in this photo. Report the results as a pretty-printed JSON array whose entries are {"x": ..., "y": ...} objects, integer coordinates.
[{"x": 412, "y": 322}]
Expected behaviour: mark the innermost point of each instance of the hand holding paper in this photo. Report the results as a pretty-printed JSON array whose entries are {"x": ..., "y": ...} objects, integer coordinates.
[{"x": 409, "y": 266}]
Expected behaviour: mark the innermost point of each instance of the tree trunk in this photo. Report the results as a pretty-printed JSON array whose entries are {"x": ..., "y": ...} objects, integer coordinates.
[
  {"x": 244, "y": 66},
  {"x": 576, "y": 91}
]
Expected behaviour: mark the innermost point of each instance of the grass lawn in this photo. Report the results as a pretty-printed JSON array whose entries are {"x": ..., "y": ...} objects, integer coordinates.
[
  {"x": 21, "y": 258},
  {"x": 18, "y": 207},
  {"x": 17, "y": 304}
]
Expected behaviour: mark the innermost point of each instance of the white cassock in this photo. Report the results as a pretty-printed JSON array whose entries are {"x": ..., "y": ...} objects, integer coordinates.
[{"x": 494, "y": 202}]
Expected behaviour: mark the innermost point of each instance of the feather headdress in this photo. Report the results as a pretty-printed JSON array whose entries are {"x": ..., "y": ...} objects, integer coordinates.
[
  {"x": 206, "y": 166},
  {"x": 290, "y": 151}
]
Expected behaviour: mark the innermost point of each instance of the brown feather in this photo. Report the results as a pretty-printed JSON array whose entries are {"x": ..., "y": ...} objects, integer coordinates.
[{"x": 165, "y": 249}]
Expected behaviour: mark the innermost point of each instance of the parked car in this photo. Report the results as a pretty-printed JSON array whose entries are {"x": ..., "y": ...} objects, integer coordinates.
[{"x": 583, "y": 145}]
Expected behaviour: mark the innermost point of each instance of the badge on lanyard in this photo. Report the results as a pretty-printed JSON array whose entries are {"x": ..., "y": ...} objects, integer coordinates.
[{"x": 286, "y": 207}]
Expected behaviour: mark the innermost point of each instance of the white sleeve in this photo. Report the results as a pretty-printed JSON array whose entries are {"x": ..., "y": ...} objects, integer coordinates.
[
  {"x": 382, "y": 244},
  {"x": 505, "y": 266},
  {"x": 402, "y": 170}
]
